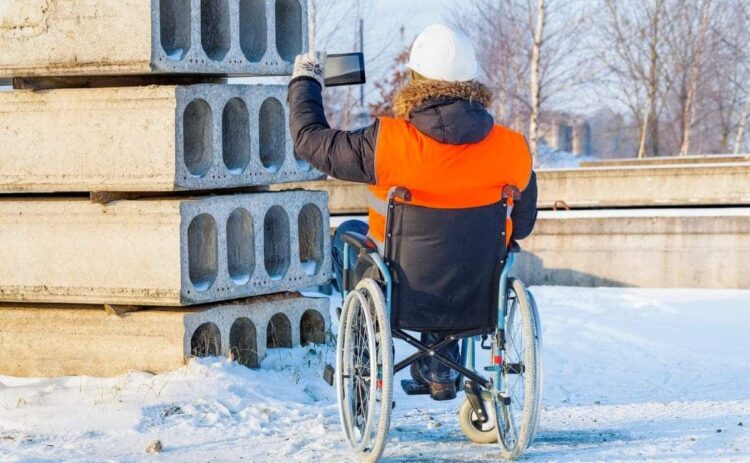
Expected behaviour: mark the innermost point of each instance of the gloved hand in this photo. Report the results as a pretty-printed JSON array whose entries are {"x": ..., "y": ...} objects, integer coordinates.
[{"x": 311, "y": 64}]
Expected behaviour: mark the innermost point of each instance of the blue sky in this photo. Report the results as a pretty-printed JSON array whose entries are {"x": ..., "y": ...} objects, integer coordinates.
[{"x": 413, "y": 14}]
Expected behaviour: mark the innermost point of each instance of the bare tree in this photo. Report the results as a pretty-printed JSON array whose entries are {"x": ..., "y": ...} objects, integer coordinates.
[
  {"x": 632, "y": 52},
  {"x": 738, "y": 43},
  {"x": 722, "y": 88},
  {"x": 687, "y": 36},
  {"x": 681, "y": 69},
  {"x": 676, "y": 74},
  {"x": 741, "y": 125},
  {"x": 500, "y": 35},
  {"x": 695, "y": 69},
  {"x": 532, "y": 55},
  {"x": 534, "y": 81}
]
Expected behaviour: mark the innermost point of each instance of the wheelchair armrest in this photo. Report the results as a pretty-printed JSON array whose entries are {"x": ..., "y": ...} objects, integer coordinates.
[
  {"x": 360, "y": 242},
  {"x": 511, "y": 191},
  {"x": 399, "y": 192}
]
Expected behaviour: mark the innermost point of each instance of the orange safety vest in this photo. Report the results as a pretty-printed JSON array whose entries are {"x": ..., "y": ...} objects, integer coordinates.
[{"x": 445, "y": 176}]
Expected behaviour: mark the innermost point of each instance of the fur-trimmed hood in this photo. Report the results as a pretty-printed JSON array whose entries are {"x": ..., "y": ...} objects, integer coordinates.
[
  {"x": 449, "y": 112},
  {"x": 419, "y": 91}
]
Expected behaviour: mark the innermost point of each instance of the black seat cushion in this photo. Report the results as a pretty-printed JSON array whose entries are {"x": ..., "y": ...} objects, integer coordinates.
[{"x": 446, "y": 266}]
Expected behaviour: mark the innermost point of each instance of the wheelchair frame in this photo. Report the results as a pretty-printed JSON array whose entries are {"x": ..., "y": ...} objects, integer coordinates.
[
  {"x": 478, "y": 389},
  {"x": 468, "y": 338}
]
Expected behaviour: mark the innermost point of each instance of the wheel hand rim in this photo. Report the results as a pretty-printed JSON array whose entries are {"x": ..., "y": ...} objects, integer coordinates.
[
  {"x": 512, "y": 355},
  {"x": 360, "y": 397}
]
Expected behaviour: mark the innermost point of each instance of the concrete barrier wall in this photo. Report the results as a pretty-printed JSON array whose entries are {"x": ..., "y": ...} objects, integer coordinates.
[
  {"x": 669, "y": 160},
  {"x": 679, "y": 185},
  {"x": 147, "y": 139},
  {"x": 101, "y": 37},
  {"x": 687, "y": 185},
  {"x": 162, "y": 251},
  {"x": 54, "y": 340},
  {"x": 676, "y": 248},
  {"x": 658, "y": 248}
]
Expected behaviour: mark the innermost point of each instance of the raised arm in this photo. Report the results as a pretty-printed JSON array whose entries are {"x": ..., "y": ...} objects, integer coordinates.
[{"x": 346, "y": 155}]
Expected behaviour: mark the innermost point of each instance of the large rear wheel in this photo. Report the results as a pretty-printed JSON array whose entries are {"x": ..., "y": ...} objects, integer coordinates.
[
  {"x": 364, "y": 370},
  {"x": 517, "y": 402}
]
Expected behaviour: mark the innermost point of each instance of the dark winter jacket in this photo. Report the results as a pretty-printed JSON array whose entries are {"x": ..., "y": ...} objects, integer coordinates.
[
  {"x": 444, "y": 250},
  {"x": 451, "y": 113}
]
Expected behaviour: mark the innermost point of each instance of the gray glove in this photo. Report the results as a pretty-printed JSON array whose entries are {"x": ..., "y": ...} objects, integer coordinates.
[{"x": 311, "y": 64}]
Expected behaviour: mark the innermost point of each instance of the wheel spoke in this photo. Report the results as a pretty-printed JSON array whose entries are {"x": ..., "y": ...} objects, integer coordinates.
[
  {"x": 512, "y": 427},
  {"x": 360, "y": 366}
]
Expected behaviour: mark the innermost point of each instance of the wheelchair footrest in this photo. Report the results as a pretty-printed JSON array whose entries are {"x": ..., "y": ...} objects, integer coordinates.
[{"x": 412, "y": 387}]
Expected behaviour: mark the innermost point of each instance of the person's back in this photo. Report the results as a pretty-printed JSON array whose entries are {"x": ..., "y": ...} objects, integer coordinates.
[
  {"x": 442, "y": 145},
  {"x": 450, "y": 156}
]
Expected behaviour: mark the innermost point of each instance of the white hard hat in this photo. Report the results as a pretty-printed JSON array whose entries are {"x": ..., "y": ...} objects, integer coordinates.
[{"x": 443, "y": 53}]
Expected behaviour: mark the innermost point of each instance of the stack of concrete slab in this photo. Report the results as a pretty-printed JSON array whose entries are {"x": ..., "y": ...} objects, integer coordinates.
[
  {"x": 61, "y": 340},
  {"x": 122, "y": 203},
  {"x": 155, "y": 138},
  {"x": 135, "y": 37}
]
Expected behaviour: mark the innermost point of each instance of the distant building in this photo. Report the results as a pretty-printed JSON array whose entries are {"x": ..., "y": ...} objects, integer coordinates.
[
  {"x": 604, "y": 134},
  {"x": 612, "y": 135},
  {"x": 565, "y": 132}
]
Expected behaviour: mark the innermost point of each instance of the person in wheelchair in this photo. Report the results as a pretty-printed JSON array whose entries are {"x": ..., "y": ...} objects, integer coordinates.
[{"x": 444, "y": 147}]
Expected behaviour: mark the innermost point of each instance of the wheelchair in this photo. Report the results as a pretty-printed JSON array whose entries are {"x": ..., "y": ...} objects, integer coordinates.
[{"x": 502, "y": 404}]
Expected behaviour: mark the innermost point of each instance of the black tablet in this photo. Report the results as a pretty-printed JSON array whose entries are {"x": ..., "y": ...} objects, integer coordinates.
[{"x": 345, "y": 69}]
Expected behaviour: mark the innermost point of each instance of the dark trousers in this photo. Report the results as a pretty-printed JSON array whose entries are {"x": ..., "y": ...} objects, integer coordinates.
[{"x": 427, "y": 369}]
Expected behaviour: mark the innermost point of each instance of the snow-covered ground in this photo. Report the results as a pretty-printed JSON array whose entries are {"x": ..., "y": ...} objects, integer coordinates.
[{"x": 630, "y": 375}]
